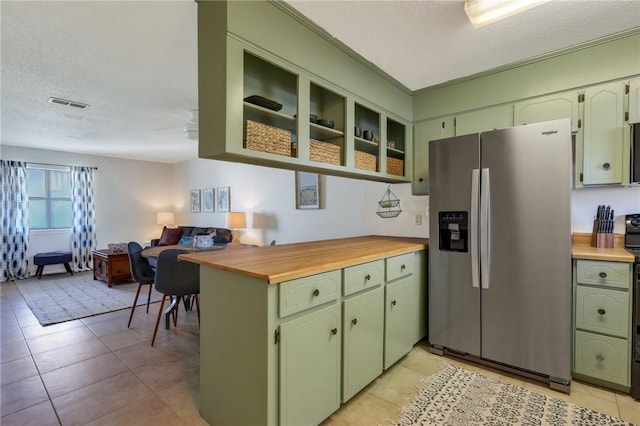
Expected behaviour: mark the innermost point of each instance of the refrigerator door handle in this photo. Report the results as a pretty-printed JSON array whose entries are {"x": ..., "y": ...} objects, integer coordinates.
[
  {"x": 473, "y": 228},
  {"x": 485, "y": 228}
]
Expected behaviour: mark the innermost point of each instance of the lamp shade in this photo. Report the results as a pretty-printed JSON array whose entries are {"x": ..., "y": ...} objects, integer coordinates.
[
  {"x": 236, "y": 220},
  {"x": 165, "y": 218}
]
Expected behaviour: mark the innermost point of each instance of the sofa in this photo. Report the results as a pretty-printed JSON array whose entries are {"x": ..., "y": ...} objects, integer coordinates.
[{"x": 184, "y": 235}]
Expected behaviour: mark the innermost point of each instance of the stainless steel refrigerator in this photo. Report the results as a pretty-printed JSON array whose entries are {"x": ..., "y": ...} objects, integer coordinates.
[{"x": 500, "y": 248}]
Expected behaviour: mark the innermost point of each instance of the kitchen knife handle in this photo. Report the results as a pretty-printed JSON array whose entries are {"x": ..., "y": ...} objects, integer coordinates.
[
  {"x": 473, "y": 228},
  {"x": 485, "y": 228}
]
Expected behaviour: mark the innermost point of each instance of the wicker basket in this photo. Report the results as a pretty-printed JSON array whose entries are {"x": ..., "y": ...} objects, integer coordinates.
[
  {"x": 324, "y": 152},
  {"x": 395, "y": 166},
  {"x": 365, "y": 161},
  {"x": 265, "y": 138}
]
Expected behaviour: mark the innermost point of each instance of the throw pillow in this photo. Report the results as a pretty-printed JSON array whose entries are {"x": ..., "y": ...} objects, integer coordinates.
[
  {"x": 170, "y": 236},
  {"x": 186, "y": 241}
]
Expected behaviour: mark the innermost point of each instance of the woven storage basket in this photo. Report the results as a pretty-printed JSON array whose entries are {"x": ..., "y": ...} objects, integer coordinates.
[
  {"x": 265, "y": 138},
  {"x": 324, "y": 152},
  {"x": 365, "y": 161},
  {"x": 395, "y": 166}
]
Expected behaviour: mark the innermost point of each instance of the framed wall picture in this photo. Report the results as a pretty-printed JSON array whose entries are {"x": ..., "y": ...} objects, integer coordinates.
[
  {"x": 195, "y": 201},
  {"x": 223, "y": 198},
  {"x": 307, "y": 191},
  {"x": 208, "y": 200}
]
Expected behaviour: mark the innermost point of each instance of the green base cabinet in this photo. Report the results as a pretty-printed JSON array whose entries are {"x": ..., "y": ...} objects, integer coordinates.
[
  {"x": 310, "y": 367},
  {"x": 291, "y": 353},
  {"x": 602, "y": 335},
  {"x": 363, "y": 325}
]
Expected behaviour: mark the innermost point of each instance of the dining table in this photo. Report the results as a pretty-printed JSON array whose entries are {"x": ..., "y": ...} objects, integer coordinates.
[{"x": 153, "y": 252}]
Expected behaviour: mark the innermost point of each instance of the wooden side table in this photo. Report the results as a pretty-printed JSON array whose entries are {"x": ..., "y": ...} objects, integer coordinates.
[{"x": 111, "y": 266}]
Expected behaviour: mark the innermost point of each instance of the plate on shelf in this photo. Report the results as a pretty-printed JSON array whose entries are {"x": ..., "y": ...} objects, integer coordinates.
[{"x": 263, "y": 102}]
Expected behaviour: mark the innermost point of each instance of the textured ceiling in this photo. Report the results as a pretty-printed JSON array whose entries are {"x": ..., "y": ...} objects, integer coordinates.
[{"x": 135, "y": 63}]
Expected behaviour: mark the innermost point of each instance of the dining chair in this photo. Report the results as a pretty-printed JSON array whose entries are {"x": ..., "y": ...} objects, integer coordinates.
[
  {"x": 142, "y": 272},
  {"x": 175, "y": 280}
]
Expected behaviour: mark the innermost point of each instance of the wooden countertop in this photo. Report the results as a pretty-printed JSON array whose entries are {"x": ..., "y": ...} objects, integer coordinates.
[
  {"x": 582, "y": 249},
  {"x": 279, "y": 263}
]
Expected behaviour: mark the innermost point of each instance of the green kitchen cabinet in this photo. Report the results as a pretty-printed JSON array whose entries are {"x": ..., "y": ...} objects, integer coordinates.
[
  {"x": 400, "y": 315},
  {"x": 398, "y": 321},
  {"x": 363, "y": 337},
  {"x": 482, "y": 120},
  {"x": 243, "y": 69},
  {"x": 310, "y": 367},
  {"x": 424, "y": 132},
  {"x": 602, "y": 321},
  {"x": 634, "y": 100},
  {"x": 546, "y": 108},
  {"x": 604, "y": 134}
]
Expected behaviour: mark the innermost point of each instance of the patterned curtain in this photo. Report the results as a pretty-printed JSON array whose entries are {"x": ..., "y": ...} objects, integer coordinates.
[
  {"x": 14, "y": 217},
  {"x": 83, "y": 240}
]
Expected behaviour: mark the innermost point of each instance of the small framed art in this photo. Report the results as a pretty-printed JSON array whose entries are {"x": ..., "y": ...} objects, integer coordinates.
[
  {"x": 307, "y": 191},
  {"x": 195, "y": 201},
  {"x": 208, "y": 200},
  {"x": 223, "y": 199}
]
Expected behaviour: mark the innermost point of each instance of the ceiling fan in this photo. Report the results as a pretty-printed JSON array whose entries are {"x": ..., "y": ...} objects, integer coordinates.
[{"x": 191, "y": 124}]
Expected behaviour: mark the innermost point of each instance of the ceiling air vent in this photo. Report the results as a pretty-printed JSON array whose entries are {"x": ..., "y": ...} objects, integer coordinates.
[{"x": 68, "y": 103}]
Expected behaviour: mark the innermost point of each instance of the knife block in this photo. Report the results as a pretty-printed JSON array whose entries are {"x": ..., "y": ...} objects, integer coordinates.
[{"x": 604, "y": 240}]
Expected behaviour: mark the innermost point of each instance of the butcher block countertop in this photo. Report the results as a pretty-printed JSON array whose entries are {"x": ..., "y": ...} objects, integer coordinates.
[
  {"x": 285, "y": 262},
  {"x": 582, "y": 249}
]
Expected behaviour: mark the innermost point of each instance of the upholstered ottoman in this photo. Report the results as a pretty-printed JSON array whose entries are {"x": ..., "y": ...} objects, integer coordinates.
[{"x": 52, "y": 258}]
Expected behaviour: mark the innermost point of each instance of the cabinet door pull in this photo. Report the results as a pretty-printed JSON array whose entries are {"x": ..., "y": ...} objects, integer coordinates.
[
  {"x": 602, "y": 311},
  {"x": 602, "y": 275},
  {"x": 393, "y": 303},
  {"x": 367, "y": 277},
  {"x": 354, "y": 321},
  {"x": 402, "y": 268},
  {"x": 600, "y": 358},
  {"x": 606, "y": 166},
  {"x": 334, "y": 331},
  {"x": 316, "y": 293}
]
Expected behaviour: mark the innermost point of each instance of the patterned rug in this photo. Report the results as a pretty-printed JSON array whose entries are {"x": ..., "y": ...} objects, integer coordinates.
[
  {"x": 460, "y": 397},
  {"x": 61, "y": 297}
]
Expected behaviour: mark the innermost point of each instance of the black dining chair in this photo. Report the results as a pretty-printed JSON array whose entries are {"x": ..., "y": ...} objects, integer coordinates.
[
  {"x": 141, "y": 271},
  {"x": 176, "y": 280}
]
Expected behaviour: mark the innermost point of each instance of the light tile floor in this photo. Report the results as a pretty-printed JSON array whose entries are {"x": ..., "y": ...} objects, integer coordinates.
[{"x": 96, "y": 371}]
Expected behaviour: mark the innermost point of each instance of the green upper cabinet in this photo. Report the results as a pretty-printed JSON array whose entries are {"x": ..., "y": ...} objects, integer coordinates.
[
  {"x": 423, "y": 133},
  {"x": 545, "y": 108},
  {"x": 634, "y": 100},
  {"x": 499, "y": 117},
  {"x": 265, "y": 99},
  {"x": 604, "y": 134}
]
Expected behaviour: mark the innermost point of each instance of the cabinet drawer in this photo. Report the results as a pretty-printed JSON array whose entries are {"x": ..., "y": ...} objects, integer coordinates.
[
  {"x": 602, "y": 310},
  {"x": 304, "y": 293},
  {"x": 610, "y": 274},
  {"x": 400, "y": 266},
  {"x": 602, "y": 357},
  {"x": 360, "y": 277}
]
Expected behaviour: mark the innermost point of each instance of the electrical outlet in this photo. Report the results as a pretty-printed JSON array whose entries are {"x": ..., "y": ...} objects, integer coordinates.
[{"x": 418, "y": 219}]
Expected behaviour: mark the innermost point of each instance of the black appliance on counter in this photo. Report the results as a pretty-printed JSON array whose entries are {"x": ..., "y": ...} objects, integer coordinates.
[{"x": 632, "y": 244}]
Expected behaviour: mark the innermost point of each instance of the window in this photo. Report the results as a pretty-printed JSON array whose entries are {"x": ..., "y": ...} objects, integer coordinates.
[{"x": 49, "y": 198}]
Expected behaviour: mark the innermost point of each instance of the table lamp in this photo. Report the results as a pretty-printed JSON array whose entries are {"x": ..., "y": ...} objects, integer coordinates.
[
  {"x": 165, "y": 218},
  {"x": 236, "y": 220}
]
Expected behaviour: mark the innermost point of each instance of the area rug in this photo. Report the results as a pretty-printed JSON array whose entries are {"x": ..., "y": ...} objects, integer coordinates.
[
  {"x": 61, "y": 297},
  {"x": 459, "y": 397}
]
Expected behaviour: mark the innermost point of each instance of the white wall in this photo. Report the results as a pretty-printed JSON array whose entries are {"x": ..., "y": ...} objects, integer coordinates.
[
  {"x": 585, "y": 202},
  {"x": 348, "y": 206},
  {"x": 127, "y": 196}
]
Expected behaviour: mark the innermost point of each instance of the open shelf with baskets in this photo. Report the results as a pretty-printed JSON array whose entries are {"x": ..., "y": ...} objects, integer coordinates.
[{"x": 326, "y": 136}]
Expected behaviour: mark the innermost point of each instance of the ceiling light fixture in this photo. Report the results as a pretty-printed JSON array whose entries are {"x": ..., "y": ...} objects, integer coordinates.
[
  {"x": 66, "y": 102},
  {"x": 484, "y": 12}
]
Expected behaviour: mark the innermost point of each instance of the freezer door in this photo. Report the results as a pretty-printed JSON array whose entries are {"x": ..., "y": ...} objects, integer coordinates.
[
  {"x": 526, "y": 297},
  {"x": 454, "y": 303}
]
